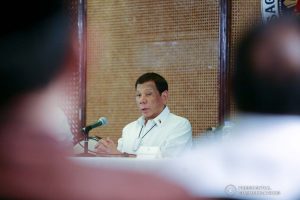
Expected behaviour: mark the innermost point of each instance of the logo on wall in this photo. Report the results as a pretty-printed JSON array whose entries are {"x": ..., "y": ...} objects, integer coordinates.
[{"x": 272, "y": 9}]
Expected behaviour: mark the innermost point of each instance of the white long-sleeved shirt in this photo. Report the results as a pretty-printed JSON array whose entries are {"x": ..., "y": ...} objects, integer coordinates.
[
  {"x": 259, "y": 159},
  {"x": 171, "y": 133}
]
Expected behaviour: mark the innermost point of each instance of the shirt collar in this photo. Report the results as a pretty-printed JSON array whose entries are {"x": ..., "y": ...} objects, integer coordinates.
[{"x": 157, "y": 120}]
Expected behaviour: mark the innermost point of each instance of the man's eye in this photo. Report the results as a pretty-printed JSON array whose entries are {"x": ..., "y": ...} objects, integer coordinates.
[
  {"x": 138, "y": 95},
  {"x": 148, "y": 94}
]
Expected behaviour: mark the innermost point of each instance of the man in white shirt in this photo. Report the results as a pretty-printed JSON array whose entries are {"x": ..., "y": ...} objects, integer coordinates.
[
  {"x": 35, "y": 51},
  {"x": 157, "y": 127}
]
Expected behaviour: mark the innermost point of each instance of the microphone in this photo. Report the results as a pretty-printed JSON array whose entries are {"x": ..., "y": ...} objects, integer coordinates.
[{"x": 101, "y": 122}]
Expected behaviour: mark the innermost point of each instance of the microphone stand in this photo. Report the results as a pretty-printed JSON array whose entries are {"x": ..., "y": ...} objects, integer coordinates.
[{"x": 86, "y": 153}]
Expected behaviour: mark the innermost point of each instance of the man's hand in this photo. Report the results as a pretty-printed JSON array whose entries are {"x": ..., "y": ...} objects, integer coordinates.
[{"x": 106, "y": 146}]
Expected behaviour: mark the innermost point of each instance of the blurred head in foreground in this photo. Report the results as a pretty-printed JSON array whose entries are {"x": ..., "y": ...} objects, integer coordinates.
[
  {"x": 33, "y": 50},
  {"x": 267, "y": 88},
  {"x": 267, "y": 76}
]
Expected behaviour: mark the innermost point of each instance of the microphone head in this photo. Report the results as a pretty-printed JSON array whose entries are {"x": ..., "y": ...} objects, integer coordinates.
[{"x": 103, "y": 120}]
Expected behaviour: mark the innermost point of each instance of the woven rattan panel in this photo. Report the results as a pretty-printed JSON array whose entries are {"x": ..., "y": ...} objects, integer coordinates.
[
  {"x": 177, "y": 39},
  {"x": 244, "y": 15}
]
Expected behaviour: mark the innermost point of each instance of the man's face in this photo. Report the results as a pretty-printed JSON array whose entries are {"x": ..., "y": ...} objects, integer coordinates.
[{"x": 149, "y": 101}]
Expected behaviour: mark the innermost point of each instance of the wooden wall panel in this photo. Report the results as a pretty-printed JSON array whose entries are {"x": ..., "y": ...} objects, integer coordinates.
[
  {"x": 243, "y": 16},
  {"x": 177, "y": 39}
]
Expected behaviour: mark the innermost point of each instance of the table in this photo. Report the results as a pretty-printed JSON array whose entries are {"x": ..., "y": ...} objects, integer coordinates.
[{"x": 126, "y": 163}]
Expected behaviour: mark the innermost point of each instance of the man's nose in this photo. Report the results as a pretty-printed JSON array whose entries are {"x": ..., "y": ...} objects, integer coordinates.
[{"x": 142, "y": 99}]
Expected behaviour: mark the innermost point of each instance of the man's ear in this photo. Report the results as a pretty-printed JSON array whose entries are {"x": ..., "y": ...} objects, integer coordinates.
[{"x": 164, "y": 96}]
